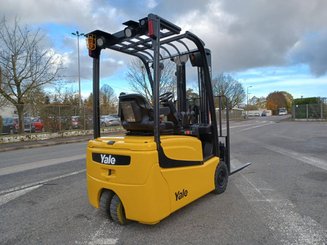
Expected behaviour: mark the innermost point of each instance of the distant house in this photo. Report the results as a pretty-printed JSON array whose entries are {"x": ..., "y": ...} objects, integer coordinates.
[
  {"x": 8, "y": 111},
  {"x": 234, "y": 113}
]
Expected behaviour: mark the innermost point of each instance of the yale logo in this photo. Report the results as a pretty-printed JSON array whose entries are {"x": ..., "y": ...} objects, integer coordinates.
[
  {"x": 107, "y": 159},
  {"x": 180, "y": 194}
]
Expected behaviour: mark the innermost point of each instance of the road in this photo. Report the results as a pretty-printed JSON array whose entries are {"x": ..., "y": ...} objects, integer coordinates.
[{"x": 280, "y": 199}]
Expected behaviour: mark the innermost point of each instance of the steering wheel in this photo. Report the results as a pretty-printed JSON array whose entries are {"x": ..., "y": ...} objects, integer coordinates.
[{"x": 166, "y": 97}]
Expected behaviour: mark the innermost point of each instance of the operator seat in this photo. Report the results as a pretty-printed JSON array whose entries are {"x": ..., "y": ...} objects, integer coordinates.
[{"x": 137, "y": 115}]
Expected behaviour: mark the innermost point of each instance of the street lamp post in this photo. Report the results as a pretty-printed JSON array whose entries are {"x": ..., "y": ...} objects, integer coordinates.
[
  {"x": 77, "y": 34},
  {"x": 247, "y": 99}
]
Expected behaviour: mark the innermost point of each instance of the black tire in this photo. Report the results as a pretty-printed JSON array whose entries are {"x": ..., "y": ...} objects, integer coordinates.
[
  {"x": 221, "y": 178},
  {"x": 105, "y": 201},
  {"x": 117, "y": 211}
]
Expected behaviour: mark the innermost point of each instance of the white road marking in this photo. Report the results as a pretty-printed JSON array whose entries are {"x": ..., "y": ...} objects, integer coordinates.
[
  {"x": 279, "y": 213},
  {"x": 305, "y": 158},
  {"x": 41, "y": 182},
  {"x": 104, "y": 241},
  {"x": 106, "y": 234},
  {"x": 13, "y": 195},
  {"x": 255, "y": 123},
  {"x": 39, "y": 164},
  {"x": 257, "y": 126},
  {"x": 241, "y": 126}
]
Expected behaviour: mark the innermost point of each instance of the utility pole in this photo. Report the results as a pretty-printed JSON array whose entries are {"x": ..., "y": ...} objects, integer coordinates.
[
  {"x": 77, "y": 34},
  {"x": 247, "y": 100}
]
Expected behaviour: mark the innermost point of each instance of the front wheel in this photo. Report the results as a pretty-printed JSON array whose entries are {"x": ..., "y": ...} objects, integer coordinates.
[
  {"x": 117, "y": 211},
  {"x": 221, "y": 178}
]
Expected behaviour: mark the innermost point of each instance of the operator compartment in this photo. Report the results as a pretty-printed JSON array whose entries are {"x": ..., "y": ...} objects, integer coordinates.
[{"x": 121, "y": 160}]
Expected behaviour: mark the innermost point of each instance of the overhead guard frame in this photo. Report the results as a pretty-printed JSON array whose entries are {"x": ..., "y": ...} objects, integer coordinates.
[{"x": 150, "y": 35}]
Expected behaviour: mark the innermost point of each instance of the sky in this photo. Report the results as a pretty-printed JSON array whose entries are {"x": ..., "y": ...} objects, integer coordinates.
[{"x": 266, "y": 45}]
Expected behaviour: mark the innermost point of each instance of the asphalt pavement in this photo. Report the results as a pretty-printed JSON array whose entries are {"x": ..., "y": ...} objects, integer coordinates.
[{"x": 280, "y": 199}]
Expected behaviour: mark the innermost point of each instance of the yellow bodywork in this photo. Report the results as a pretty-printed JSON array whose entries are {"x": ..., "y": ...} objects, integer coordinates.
[{"x": 148, "y": 192}]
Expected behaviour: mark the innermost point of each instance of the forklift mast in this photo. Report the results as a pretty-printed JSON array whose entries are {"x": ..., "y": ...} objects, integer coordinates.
[{"x": 153, "y": 39}]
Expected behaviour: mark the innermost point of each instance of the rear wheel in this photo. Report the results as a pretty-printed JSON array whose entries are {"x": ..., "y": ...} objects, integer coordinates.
[
  {"x": 221, "y": 178},
  {"x": 117, "y": 211},
  {"x": 105, "y": 201}
]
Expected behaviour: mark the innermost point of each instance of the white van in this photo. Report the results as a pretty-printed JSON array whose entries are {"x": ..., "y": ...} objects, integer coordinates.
[{"x": 282, "y": 111}]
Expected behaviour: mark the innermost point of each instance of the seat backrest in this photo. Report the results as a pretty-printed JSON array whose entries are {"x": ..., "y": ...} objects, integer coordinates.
[{"x": 135, "y": 112}]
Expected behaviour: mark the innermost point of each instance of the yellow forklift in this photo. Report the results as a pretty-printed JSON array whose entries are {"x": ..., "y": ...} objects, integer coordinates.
[{"x": 172, "y": 153}]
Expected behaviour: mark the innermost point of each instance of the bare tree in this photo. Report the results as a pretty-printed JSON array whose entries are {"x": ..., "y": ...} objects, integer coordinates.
[
  {"x": 139, "y": 81},
  {"x": 231, "y": 88},
  {"x": 256, "y": 103},
  {"x": 35, "y": 99},
  {"x": 24, "y": 65},
  {"x": 108, "y": 100},
  {"x": 65, "y": 95},
  {"x": 3, "y": 101}
]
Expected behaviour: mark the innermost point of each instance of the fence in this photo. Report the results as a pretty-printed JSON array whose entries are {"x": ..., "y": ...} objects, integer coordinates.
[
  {"x": 57, "y": 118},
  {"x": 60, "y": 117},
  {"x": 52, "y": 118},
  {"x": 235, "y": 114},
  {"x": 310, "y": 111}
]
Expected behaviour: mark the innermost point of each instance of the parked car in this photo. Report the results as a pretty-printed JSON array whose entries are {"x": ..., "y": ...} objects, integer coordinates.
[
  {"x": 28, "y": 125},
  {"x": 76, "y": 123},
  {"x": 282, "y": 111},
  {"x": 108, "y": 120},
  {"x": 38, "y": 124},
  {"x": 8, "y": 126},
  {"x": 115, "y": 116}
]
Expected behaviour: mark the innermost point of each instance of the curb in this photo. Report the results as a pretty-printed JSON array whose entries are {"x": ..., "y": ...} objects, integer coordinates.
[
  {"x": 5, "y": 147},
  {"x": 41, "y": 144}
]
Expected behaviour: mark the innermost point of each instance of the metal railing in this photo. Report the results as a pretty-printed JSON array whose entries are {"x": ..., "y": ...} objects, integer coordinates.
[
  {"x": 51, "y": 118},
  {"x": 310, "y": 111}
]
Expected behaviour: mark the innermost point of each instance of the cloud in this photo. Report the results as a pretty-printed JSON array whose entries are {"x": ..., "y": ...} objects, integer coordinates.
[
  {"x": 265, "y": 31},
  {"x": 246, "y": 34},
  {"x": 253, "y": 33},
  {"x": 109, "y": 65},
  {"x": 240, "y": 34},
  {"x": 86, "y": 15},
  {"x": 311, "y": 49},
  {"x": 151, "y": 4}
]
